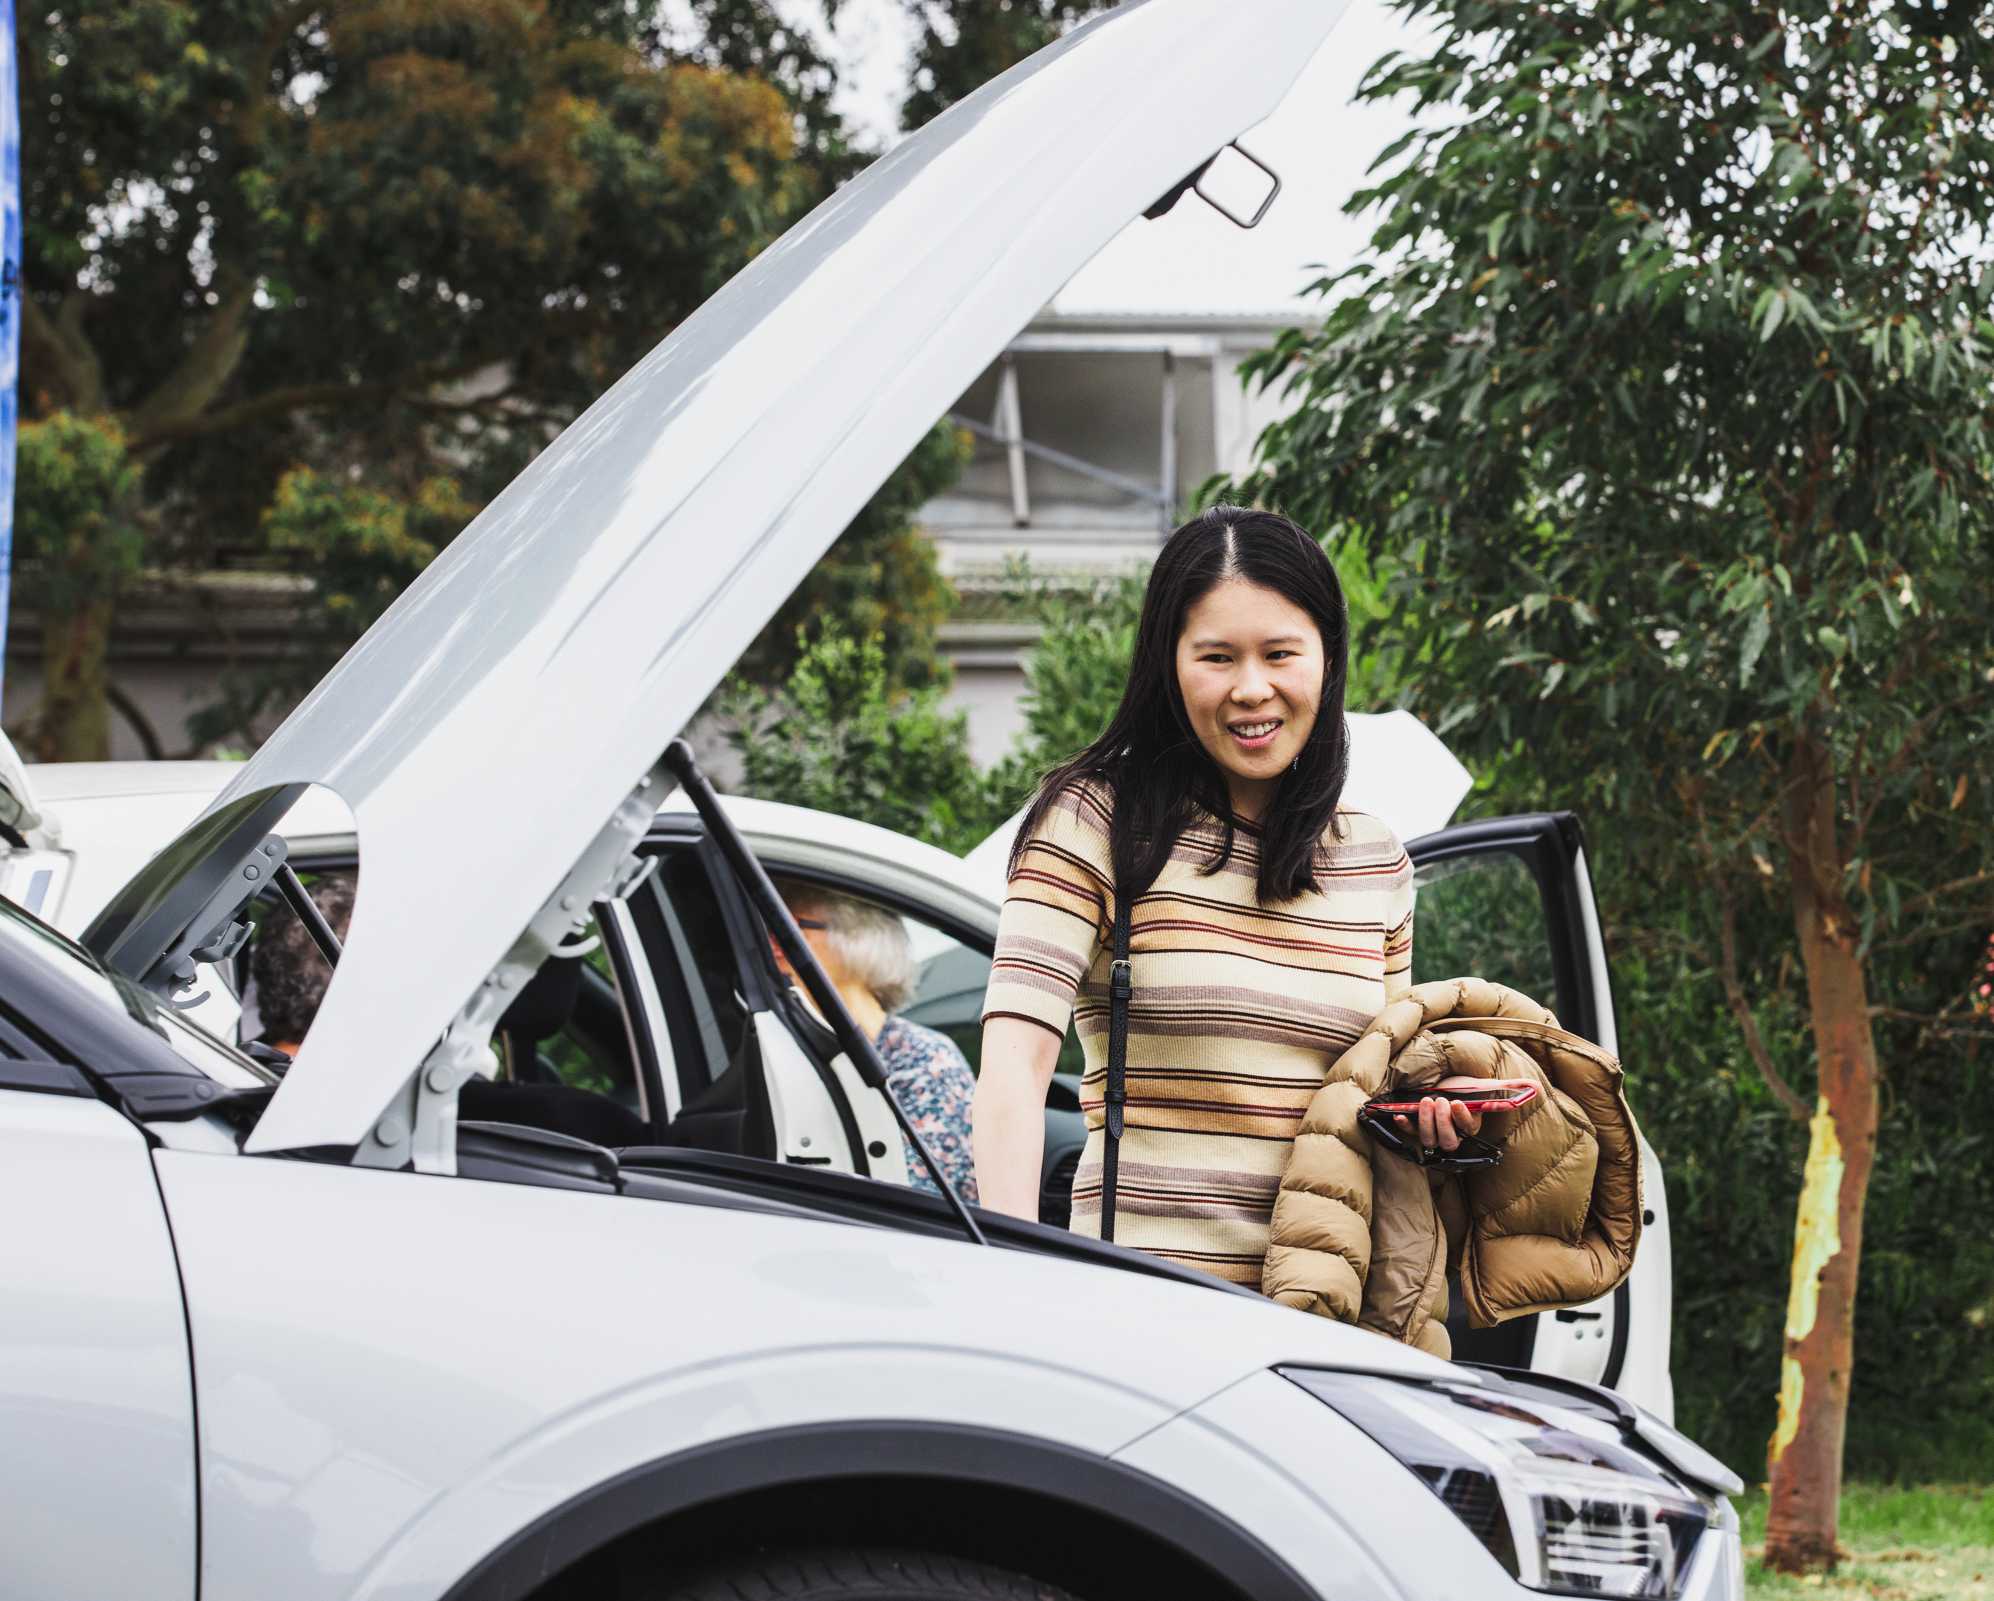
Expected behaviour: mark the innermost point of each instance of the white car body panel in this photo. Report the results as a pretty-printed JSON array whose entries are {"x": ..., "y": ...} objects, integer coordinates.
[
  {"x": 96, "y": 1396},
  {"x": 1645, "y": 1374},
  {"x": 886, "y": 1151},
  {"x": 647, "y": 546},
  {"x": 20, "y": 807},
  {"x": 380, "y": 1446},
  {"x": 1248, "y": 1453},
  {"x": 807, "y": 1129},
  {"x": 34, "y": 868},
  {"x": 128, "y": 810}
]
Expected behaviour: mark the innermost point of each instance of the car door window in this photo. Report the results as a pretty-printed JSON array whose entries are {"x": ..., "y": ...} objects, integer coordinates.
[
  {"x": 1483, "y": 916},
  {"x": 949, "y": 980}
]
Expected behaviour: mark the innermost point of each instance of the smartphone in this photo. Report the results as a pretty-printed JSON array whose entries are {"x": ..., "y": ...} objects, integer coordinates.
[{"x": 1500, "y": 1095}]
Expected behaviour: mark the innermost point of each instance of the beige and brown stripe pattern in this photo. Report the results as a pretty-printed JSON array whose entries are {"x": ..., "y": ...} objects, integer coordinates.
[{"x": 1238, "y": 1011}]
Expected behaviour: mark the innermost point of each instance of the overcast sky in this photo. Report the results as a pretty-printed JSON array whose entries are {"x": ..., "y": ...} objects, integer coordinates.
[{"x": 1192, "y": 260}]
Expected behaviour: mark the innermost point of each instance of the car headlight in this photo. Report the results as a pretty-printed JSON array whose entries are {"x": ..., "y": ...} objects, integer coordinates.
[{"x": 1556, "y": 1495}]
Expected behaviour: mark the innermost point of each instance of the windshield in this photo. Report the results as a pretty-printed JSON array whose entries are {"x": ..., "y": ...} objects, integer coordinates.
[{"x": 28, "y": 936}]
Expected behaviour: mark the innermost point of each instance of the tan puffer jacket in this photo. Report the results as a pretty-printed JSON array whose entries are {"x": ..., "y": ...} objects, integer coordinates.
[{"x": 1364, "y": 1236}]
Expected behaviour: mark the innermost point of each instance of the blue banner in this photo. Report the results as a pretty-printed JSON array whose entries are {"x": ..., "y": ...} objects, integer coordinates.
[{"x": 10, "y": 304}]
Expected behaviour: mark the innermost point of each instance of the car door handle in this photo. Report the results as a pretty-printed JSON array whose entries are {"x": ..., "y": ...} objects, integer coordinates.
[{"x": 1567, "y": 1315}]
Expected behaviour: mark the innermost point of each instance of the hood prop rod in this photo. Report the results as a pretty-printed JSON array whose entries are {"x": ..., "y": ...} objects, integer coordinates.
[
  {"x": 299, "y": 899},
  {"x": 762, "y": 894}
]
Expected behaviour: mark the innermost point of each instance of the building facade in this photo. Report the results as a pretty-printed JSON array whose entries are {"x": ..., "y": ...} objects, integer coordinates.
[{"x": 1092, "y": 435}]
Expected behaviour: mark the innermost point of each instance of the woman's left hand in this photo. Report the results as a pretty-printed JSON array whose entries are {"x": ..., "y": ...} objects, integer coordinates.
[{"x": 1442, "y": 1123}]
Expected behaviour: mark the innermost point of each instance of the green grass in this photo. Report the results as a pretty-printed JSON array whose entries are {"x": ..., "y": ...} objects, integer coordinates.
[{"x": 1929, "y": 1544}]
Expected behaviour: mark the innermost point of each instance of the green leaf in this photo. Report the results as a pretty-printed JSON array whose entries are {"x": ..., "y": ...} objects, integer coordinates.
[
  {"x": 1773, "y": 317},
  {"x": 1757, "y": 631}
]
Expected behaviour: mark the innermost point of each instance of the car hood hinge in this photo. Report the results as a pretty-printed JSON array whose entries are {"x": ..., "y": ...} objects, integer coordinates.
[{"x": 419, "y": 1127}]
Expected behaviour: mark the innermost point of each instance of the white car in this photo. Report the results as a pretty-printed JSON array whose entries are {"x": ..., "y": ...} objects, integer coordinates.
[
  {"x": 341, "y": 1335},
  {"x": 1507, "y": 898}
]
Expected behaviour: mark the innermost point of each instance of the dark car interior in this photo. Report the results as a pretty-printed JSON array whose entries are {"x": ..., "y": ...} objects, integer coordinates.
[{"x": 569, "y": 1062}]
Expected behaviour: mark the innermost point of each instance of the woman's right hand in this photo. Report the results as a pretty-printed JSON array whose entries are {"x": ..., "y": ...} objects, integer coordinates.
[
  {"x": 1443, "y": 1123},
  {"x": 1007, "y": 1128}
]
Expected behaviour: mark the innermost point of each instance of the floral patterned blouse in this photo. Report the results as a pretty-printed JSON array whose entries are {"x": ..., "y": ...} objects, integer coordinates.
[{"x": 931, "y": 1080}]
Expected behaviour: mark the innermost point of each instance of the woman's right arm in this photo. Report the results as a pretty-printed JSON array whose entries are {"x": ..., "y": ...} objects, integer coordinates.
[{"x": 1008, "y": 1128}]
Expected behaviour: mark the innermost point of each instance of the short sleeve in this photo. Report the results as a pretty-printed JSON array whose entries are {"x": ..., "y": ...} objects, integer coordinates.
[
  {"x": 1398, "y": 928},
  {"x": 1057, "y": 910}
]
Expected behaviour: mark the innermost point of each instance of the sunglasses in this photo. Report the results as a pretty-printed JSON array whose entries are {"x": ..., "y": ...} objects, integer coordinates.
[{"x": 1377, "y": 1118}]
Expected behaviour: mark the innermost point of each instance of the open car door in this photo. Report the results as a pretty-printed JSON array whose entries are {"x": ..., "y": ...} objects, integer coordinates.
[{"x": 1509, "y": 899}]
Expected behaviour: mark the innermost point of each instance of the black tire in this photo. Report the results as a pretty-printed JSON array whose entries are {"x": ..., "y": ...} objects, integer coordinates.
[{"x": 879, "y": 1574}]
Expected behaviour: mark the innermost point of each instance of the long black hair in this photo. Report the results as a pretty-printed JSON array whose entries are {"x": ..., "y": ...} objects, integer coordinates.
[{"x": 1150, "y": 759}]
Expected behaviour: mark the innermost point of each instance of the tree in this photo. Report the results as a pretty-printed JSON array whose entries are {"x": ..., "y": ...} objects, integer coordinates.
[
  {"x": 75, "y": 523},
  {"x": 963, "y": 44},
  {"x": 1666, "y": 402},
  {"x": 402, "y": 238},
  {"x": 364, "y": 547},
  {"x": 838, "y": 736}
]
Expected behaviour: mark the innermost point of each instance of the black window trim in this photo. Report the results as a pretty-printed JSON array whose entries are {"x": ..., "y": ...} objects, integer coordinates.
[
  {"x": 682, "y": 1021},
  {"x": 1544, "y": 843},
  {"x": 1548, "y": 844}
]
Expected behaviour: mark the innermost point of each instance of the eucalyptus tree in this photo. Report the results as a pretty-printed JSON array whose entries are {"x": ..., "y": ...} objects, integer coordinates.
[{"x": 1665, "y": 393}]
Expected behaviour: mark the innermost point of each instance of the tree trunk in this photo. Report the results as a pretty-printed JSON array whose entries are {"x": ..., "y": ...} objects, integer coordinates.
[
  {"x": 74, "y": 724},
  {"x": 1805, "y": 1456}
]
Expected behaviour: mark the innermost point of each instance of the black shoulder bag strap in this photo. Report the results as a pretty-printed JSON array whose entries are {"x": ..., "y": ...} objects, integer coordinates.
[{"x": 1121, "y": 983}]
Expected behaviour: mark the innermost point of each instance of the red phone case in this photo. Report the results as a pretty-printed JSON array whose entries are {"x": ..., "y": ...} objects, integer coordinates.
[{"x": 1521, "y": 1097}]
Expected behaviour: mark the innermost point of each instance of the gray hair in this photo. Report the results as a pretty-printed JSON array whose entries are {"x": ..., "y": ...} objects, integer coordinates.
[{"x": 870, "y": 940}]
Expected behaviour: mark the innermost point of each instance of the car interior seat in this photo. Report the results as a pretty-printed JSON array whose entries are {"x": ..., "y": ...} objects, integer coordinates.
[{"x": 535, "y": 1095}]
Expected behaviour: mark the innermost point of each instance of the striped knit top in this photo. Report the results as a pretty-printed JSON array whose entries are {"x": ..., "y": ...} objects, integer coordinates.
[{"x": 1238, "y": 1010}]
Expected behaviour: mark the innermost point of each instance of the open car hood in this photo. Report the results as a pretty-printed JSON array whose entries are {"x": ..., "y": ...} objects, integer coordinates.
[{"x": 491, "y": 721}]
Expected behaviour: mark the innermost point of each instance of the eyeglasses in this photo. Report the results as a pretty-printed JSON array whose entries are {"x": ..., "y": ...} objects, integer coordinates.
[{"x": 807, "y": 924}]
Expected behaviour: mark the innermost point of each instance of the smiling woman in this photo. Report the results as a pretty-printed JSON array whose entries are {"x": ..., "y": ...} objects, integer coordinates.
[{"x": 1267, "y": 924}]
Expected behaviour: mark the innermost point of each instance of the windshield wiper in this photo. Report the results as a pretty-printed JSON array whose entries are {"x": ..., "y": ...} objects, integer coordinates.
[{"x": 762, "y": 893}]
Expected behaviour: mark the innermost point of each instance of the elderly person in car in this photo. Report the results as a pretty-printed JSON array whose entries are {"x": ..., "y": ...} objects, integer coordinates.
[{"x": 866, "y": 954}]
